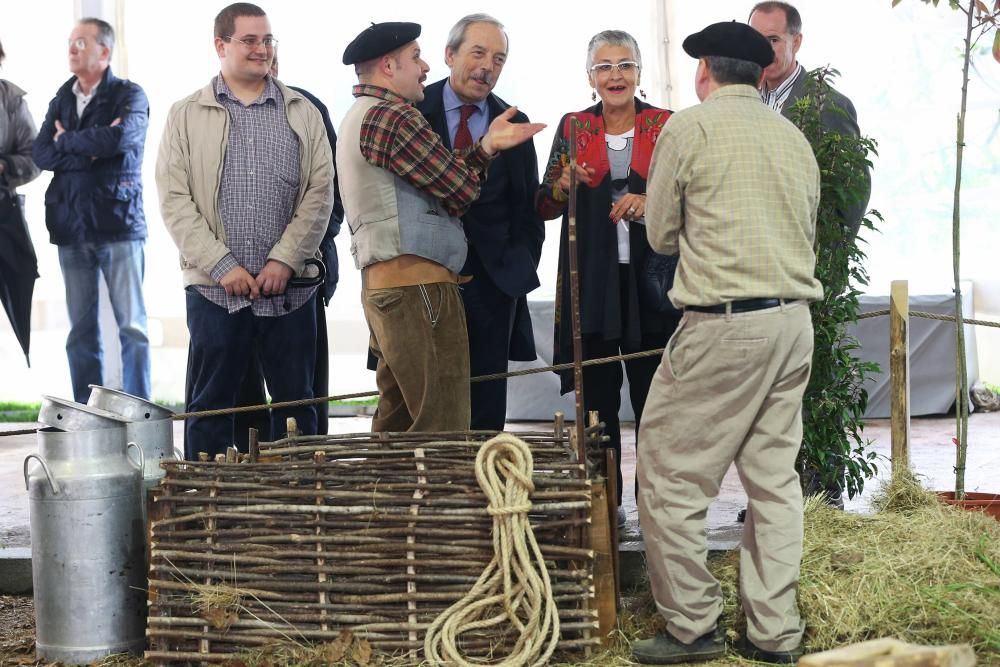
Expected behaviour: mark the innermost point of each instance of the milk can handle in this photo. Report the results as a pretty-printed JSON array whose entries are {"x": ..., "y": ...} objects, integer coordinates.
[
  {"x": 142, "y": 456},
  {"x": 53, "y": 484}
]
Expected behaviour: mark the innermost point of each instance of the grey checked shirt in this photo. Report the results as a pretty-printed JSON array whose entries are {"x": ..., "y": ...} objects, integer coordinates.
[{"x": 257, "y": 192}]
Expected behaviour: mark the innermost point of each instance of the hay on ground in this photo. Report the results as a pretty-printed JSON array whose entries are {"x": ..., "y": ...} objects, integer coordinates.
[{"x": 920, "y": 570}]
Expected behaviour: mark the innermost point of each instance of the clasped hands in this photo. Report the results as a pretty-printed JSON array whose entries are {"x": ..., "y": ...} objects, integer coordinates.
[
  {"x": 632, "y": 206},
  {"x": 272, "y": 279}
]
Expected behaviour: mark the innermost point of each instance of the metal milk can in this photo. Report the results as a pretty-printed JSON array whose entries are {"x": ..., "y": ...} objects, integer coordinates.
[
  {"x": 149, "y": 425},
  {"x": 88, "y": 546}
]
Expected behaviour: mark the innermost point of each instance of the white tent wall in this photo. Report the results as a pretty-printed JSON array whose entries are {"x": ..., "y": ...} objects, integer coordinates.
[{"x": 900, "y": 67}]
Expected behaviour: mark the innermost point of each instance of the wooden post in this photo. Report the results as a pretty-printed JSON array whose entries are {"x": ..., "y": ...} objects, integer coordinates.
[
  {"x": 899, "y": 373},
  {"x": 604, "y": 574}
]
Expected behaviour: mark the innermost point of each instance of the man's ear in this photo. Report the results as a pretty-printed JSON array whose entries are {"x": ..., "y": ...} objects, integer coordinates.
[
  {"x": 220, "y": 47},
  {"x": 449, "y": 56},
  {"x": 796, "y": 43},
  {"x": 387, "y": 65}
]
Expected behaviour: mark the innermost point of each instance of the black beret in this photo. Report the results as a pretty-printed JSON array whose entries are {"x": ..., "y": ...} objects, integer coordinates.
[
  {"x": 378, "y": 40},
  {"x": 730, "y": 40}
]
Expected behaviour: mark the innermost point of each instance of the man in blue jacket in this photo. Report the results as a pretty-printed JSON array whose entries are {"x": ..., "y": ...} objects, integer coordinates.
[{"x": 92, "y": 139}]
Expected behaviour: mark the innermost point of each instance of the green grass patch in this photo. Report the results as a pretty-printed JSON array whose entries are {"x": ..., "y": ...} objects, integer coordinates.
[
  {"x": 373, "y": 401},
  {"x": 14, "y": 411}
]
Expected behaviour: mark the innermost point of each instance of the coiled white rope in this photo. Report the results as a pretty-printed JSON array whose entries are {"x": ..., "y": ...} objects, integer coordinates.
[{"x": 514, "y": 588}]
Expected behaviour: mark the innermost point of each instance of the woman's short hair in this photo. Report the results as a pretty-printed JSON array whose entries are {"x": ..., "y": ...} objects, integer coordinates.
[{"x": 612, "y": 38}]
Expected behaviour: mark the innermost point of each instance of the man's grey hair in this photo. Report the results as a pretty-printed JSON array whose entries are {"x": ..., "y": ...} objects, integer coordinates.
[
  {"x": 105, "y": 33},
  {"x": 728, "y": 71},
  {"x": 457, "y": 33},
  {"x": 793, "y": 20},
  {"x": 612, "y": 38}
]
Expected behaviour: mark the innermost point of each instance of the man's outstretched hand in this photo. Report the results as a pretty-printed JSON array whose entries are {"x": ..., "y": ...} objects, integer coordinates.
[{"x": 504, "y": 134}]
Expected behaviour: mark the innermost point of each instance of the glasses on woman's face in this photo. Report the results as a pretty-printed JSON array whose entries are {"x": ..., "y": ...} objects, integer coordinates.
[
  {"x": 252, "y": 43},
  {"x": 625, "y": 67}
]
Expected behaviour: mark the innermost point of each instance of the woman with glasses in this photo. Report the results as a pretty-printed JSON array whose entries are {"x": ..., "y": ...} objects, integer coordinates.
[{"x": 615, "y": 140}]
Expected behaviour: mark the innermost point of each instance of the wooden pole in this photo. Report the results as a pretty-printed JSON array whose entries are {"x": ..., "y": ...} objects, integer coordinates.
[
  {"x": 899, "y": 373},
  {"x": 604, "y": 565},
  {"x": 574, "y": 294}
]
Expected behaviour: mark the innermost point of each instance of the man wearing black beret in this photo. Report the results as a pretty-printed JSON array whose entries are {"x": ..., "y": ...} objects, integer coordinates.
[
  {"x": 403, "y": 194},
  {"x": 733, "y": 188}
]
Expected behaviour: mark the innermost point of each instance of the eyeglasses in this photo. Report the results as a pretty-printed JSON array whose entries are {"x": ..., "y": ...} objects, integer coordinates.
[
  {"x": 268, "y": 42},
  {"x": 625, "y": 67},
  {"x": 79, "y": 43}
]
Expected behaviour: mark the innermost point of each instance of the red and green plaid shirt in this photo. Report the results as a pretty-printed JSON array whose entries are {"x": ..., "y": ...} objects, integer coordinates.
[{"x": 396, "y": 137}]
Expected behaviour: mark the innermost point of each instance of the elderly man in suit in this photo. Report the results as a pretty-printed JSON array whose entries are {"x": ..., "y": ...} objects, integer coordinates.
[{"x": 504, "y": 232}]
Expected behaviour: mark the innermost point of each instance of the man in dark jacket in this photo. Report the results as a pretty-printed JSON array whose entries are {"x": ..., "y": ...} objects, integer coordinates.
[
  {"x": 92, "y": 139},
  {"x": 505, "y": 234}
]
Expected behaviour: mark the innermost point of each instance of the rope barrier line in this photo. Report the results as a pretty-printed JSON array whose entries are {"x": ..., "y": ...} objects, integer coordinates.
[
  {"x": 367, "y": 394},
  {"x": 514, "y": 588},
  {"x": 501, "y": 376}
]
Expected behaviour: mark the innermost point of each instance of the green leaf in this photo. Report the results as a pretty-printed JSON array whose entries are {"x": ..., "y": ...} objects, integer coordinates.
[
  {"x": 896, "y": 2},
  {"x": 996, "y": 44}
]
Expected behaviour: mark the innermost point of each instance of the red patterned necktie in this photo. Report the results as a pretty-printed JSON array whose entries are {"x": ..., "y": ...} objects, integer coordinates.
[{"x": 463, "y": 137}]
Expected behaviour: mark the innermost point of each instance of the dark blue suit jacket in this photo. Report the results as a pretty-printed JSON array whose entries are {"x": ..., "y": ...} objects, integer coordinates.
[
  {"x": 327, "y": 246},
  {"x": 96, "y": 192},
  {"x": 508, "y": 247}
]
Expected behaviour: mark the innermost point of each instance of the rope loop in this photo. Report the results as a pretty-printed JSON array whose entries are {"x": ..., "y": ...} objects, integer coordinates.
[{"x": 515, "y": 587}]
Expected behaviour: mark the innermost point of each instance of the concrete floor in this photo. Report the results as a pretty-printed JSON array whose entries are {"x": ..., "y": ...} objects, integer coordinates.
[{"x": 932, "y": 456}]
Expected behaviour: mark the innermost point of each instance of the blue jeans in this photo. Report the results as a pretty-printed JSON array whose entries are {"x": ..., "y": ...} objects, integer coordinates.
[
  {"x": 221, "y": 346},
  {"x": 123, "y": 265}
]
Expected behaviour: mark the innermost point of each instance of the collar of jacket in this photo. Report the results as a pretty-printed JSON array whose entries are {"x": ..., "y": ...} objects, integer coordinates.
[
  {"x": 590, "y": 141},
  {"x": 433, "y": 101},
  {"x": 108, "y": 79},
  {"x": 206, "y": 96}
]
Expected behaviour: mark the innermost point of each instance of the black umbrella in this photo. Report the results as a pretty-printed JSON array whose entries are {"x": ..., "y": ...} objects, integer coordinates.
[{"x": 18, "y": 267}]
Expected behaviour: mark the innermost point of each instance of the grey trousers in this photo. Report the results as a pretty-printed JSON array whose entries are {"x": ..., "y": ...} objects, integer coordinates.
[
  {"x": 729, "y": 389},
  {"x": 419, "y": 336}
]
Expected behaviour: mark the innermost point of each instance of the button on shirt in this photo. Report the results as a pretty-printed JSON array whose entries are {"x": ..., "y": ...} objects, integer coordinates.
[
  {"x": 453, "y": 113},
  {"x": 257, "y": 194}
]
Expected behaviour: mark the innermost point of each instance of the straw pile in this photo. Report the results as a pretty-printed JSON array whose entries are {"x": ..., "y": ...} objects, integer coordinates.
[
  {"x": 917, "y": 570},
  {"x": 367, "y": 533}
]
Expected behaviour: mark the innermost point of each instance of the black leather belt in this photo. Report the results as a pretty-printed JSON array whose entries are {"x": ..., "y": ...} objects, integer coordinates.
[{"x": 744, "y": 306}]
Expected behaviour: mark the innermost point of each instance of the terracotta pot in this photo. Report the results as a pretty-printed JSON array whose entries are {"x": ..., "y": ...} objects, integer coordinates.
[{"x": 980, "y": 502}]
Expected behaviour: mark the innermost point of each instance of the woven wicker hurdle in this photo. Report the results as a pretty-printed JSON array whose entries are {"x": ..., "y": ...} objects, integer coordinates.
[{"x": 372, "y": 533}]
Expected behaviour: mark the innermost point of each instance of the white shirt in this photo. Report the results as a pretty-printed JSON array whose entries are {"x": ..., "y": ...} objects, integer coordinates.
[
  {"x": 776, "y": 98},
  {"x": 83, "y": 100},
  {"x": 620, "y": 157}
]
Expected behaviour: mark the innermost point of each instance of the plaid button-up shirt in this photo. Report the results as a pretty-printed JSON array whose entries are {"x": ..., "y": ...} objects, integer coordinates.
[
  {"x": 257, "y": 192},
  {"x": 734, "y": 188},
  {"x": 396, "y": 137}
]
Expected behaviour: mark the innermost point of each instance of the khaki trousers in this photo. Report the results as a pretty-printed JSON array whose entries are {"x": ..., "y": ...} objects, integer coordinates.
[
  {"x": 419, "y": 336},
  {"x": 729, "y": 389}
]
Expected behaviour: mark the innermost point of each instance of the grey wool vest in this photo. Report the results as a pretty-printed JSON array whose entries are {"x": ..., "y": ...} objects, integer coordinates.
[{"x": 387, "y": 216}]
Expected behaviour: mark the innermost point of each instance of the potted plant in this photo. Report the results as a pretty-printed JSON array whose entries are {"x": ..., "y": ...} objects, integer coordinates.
[{"x": 981, "y": 21}]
